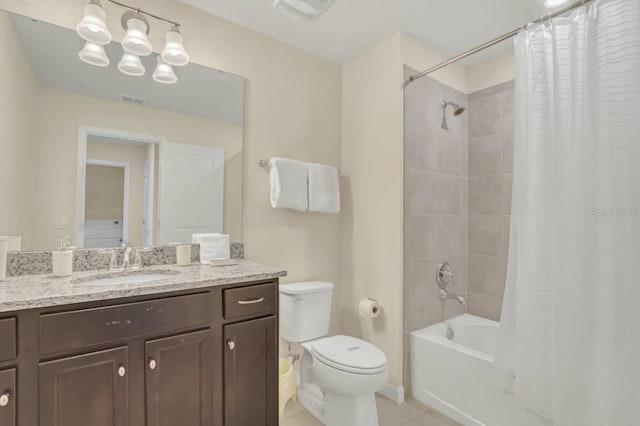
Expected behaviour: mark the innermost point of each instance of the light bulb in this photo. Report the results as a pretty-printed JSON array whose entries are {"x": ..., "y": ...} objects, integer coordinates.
[
  {"x": 174, "y": 52},
  {"x": 164, "y": 73},
  {"x": 131, "y": 65},
  {"x": 135, "y": 41},
  {"x": 94, "y": 54},
  {"x": 93, "y": 26}
]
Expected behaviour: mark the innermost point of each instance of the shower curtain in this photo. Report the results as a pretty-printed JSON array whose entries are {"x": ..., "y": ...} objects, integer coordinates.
[{"x": 570, "y": 326}]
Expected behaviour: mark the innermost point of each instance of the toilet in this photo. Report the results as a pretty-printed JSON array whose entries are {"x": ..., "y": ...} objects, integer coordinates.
[{"x": 339, "y": 375}]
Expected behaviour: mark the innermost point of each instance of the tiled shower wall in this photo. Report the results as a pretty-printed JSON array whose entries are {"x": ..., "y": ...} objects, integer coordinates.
[
  {"x": 435, "y": 205},
  {"x": 457, "y": 200},
  {"x": 490, "y": 167}
]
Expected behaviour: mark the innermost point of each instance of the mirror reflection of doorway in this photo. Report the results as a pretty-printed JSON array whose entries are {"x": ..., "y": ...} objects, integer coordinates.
[
  {"x": 106, "y": 203},
  {"x": 125, "y": 206}
]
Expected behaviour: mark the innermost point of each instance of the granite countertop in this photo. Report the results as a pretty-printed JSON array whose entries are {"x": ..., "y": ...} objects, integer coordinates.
[{"x": 40, "y": 291}]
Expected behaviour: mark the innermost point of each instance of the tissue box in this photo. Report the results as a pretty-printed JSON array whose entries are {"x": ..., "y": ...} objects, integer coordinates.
[{"x": 213, "y": 247}]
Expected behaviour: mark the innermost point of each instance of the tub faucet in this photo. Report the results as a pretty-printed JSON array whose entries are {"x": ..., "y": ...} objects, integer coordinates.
[{"x": 444, "y": 294}]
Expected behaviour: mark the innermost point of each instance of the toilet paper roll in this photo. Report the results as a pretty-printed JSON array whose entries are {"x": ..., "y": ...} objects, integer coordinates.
[{"x": 369, "y": 308}]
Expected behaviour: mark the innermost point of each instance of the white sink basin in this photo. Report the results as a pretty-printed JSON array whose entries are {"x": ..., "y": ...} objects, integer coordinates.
[{"x": 123, "y": 278}]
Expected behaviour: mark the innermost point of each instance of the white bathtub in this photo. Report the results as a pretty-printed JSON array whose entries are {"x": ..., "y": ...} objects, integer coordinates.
[{"x": 458, "y": 377}]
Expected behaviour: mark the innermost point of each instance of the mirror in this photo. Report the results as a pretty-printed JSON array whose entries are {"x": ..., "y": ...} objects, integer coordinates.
[{"x": 106, "y": 158}]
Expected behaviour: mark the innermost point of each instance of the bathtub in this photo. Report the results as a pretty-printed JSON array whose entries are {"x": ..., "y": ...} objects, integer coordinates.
[{"x": 458, "y": 377}]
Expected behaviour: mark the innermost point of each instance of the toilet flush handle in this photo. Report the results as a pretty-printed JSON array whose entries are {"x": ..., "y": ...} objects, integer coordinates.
[{"x": 299, "y": 299}]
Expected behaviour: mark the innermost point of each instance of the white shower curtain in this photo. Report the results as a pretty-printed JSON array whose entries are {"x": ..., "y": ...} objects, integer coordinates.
[{"x": 570, "y": 325}]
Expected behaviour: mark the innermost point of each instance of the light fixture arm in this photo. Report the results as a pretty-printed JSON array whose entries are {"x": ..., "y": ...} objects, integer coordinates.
[{"x": 143, "y": 12}]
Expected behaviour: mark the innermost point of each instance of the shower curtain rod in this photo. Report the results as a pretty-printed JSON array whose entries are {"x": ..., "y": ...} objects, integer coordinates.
[{"x": 494, "y": 41}]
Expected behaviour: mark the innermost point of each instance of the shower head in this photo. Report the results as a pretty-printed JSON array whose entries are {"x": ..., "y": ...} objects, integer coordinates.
[{"x": 457, "y": 110}]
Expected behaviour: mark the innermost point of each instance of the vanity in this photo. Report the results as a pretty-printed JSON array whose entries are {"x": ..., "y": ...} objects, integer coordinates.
[{"x": 199, "y": 347}]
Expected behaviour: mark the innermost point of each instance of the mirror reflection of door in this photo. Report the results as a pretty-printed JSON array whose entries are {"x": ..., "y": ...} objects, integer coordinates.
[
  {"x": 119, "y": 192},
  {"x": 105, "y": 202}
]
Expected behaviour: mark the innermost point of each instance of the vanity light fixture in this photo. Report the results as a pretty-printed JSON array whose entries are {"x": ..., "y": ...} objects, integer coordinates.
[
  {"x": 164, "y": 73},
  {"x": 94, "y": 54},
  {"x": 131, "y": 65},
  {"x": 306, "y": 9},
  {"x": 135, "y": 41},
  {"x": 174, "y": 52},
  {"x": 93, "y": 29},
  {"x": 93, "y": 26}
]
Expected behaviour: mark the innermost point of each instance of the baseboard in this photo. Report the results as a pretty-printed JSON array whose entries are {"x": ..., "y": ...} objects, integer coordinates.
[{"x": 394, "y": 393}]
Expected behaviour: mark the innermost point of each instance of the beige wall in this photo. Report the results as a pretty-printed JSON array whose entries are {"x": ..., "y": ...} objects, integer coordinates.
[
  {"x": 104, "y": 198},
  {"x": 419, "y": 56},
  {"x": 136, "y": 156},
  {"x": 491, "y": 72},
  {"x": 17, "y": 86},
  {"x": 372, "y": 197},
  {"x": 60, "y": 114}
]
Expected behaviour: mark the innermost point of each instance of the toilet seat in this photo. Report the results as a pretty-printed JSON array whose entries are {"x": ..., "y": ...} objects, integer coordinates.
[{"x": 349, "y": 354}]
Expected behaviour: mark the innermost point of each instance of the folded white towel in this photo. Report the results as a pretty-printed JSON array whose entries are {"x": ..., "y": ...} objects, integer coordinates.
[
  {"x": 212, "y": 246},
  {"x": 288, "y": 184},
  {"x": 324, "y": 188}
]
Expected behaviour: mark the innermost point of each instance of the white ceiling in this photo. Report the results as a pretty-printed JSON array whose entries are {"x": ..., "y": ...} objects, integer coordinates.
[
  {"x": 200, "y": 91},
  {"x": 350, "y": 27}
]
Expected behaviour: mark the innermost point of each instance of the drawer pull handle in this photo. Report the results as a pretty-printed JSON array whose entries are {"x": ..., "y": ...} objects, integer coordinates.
[
  {"x": 152, "y": 364},
  {"x": 251, "y": 301},
  {"x": 122, "y": 371},
  {"x": 231, "y": 344},
  {"x": 5, "y": 398}
]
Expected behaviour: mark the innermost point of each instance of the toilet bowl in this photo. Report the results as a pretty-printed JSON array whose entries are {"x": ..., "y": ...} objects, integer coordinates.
[{"x": 339, "y": 375}]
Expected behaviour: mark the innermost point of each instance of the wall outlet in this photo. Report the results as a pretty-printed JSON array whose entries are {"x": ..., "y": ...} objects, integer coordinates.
[{"x": 60, "y": 222}]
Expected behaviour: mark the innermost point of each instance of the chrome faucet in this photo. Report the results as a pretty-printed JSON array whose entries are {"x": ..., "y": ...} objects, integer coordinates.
[
  {"x": 444, "y": 275},
  {"x": 444, "y": 295},
  {"x": 126, "y": 258}
]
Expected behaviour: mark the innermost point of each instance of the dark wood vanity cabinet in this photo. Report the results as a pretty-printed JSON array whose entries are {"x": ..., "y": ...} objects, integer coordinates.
[
  {"x": 8, "y": 397},
  {"x": 190, "y": 358},
  {"x": 89, "y": 389},
  {"x": 179, "y": 380},
  {"x": 251, "y": 373}
]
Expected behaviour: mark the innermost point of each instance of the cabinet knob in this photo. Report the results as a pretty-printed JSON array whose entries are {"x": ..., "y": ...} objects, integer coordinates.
[
  {"x": 152, "y": 364},
  {"x": 5, "y": 398},
  {"x": 231, "y": 344},
  {"x": 122, "y": 371}
]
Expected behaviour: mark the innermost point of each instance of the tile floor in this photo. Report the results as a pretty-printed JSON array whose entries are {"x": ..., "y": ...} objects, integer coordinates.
[{"x": 411, "y": 413}]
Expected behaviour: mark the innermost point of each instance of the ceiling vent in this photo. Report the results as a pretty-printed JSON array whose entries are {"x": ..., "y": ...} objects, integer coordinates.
[
  {"x": 305, "y": 9},
  {"x": 132, "y": 100}
]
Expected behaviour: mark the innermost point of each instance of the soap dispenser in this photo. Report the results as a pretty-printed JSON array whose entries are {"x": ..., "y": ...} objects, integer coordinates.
[{"x": 63, "y": 259}]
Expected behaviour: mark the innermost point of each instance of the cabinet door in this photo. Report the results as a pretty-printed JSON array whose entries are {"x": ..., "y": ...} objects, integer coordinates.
[
  {"x": 83, "y": 390},
  {"x": 8, "y": 398},
  {"x": 179, "y": 380},
  {"x": 251, "y": 373}
]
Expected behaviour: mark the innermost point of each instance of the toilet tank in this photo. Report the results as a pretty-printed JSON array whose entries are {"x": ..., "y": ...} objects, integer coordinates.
[{"x": 305, "y": 310}]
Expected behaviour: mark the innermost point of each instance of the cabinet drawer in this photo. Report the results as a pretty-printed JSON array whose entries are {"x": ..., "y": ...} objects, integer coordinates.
[
  {"x": 249, "y": 301},
  {"x": 7, "y": 339},
  {"x": 77, "y": 329},
  {"x": 8, "y": 395}
]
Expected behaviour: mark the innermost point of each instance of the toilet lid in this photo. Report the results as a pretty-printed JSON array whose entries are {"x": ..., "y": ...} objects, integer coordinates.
[{"x": 348, "y": 353}]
